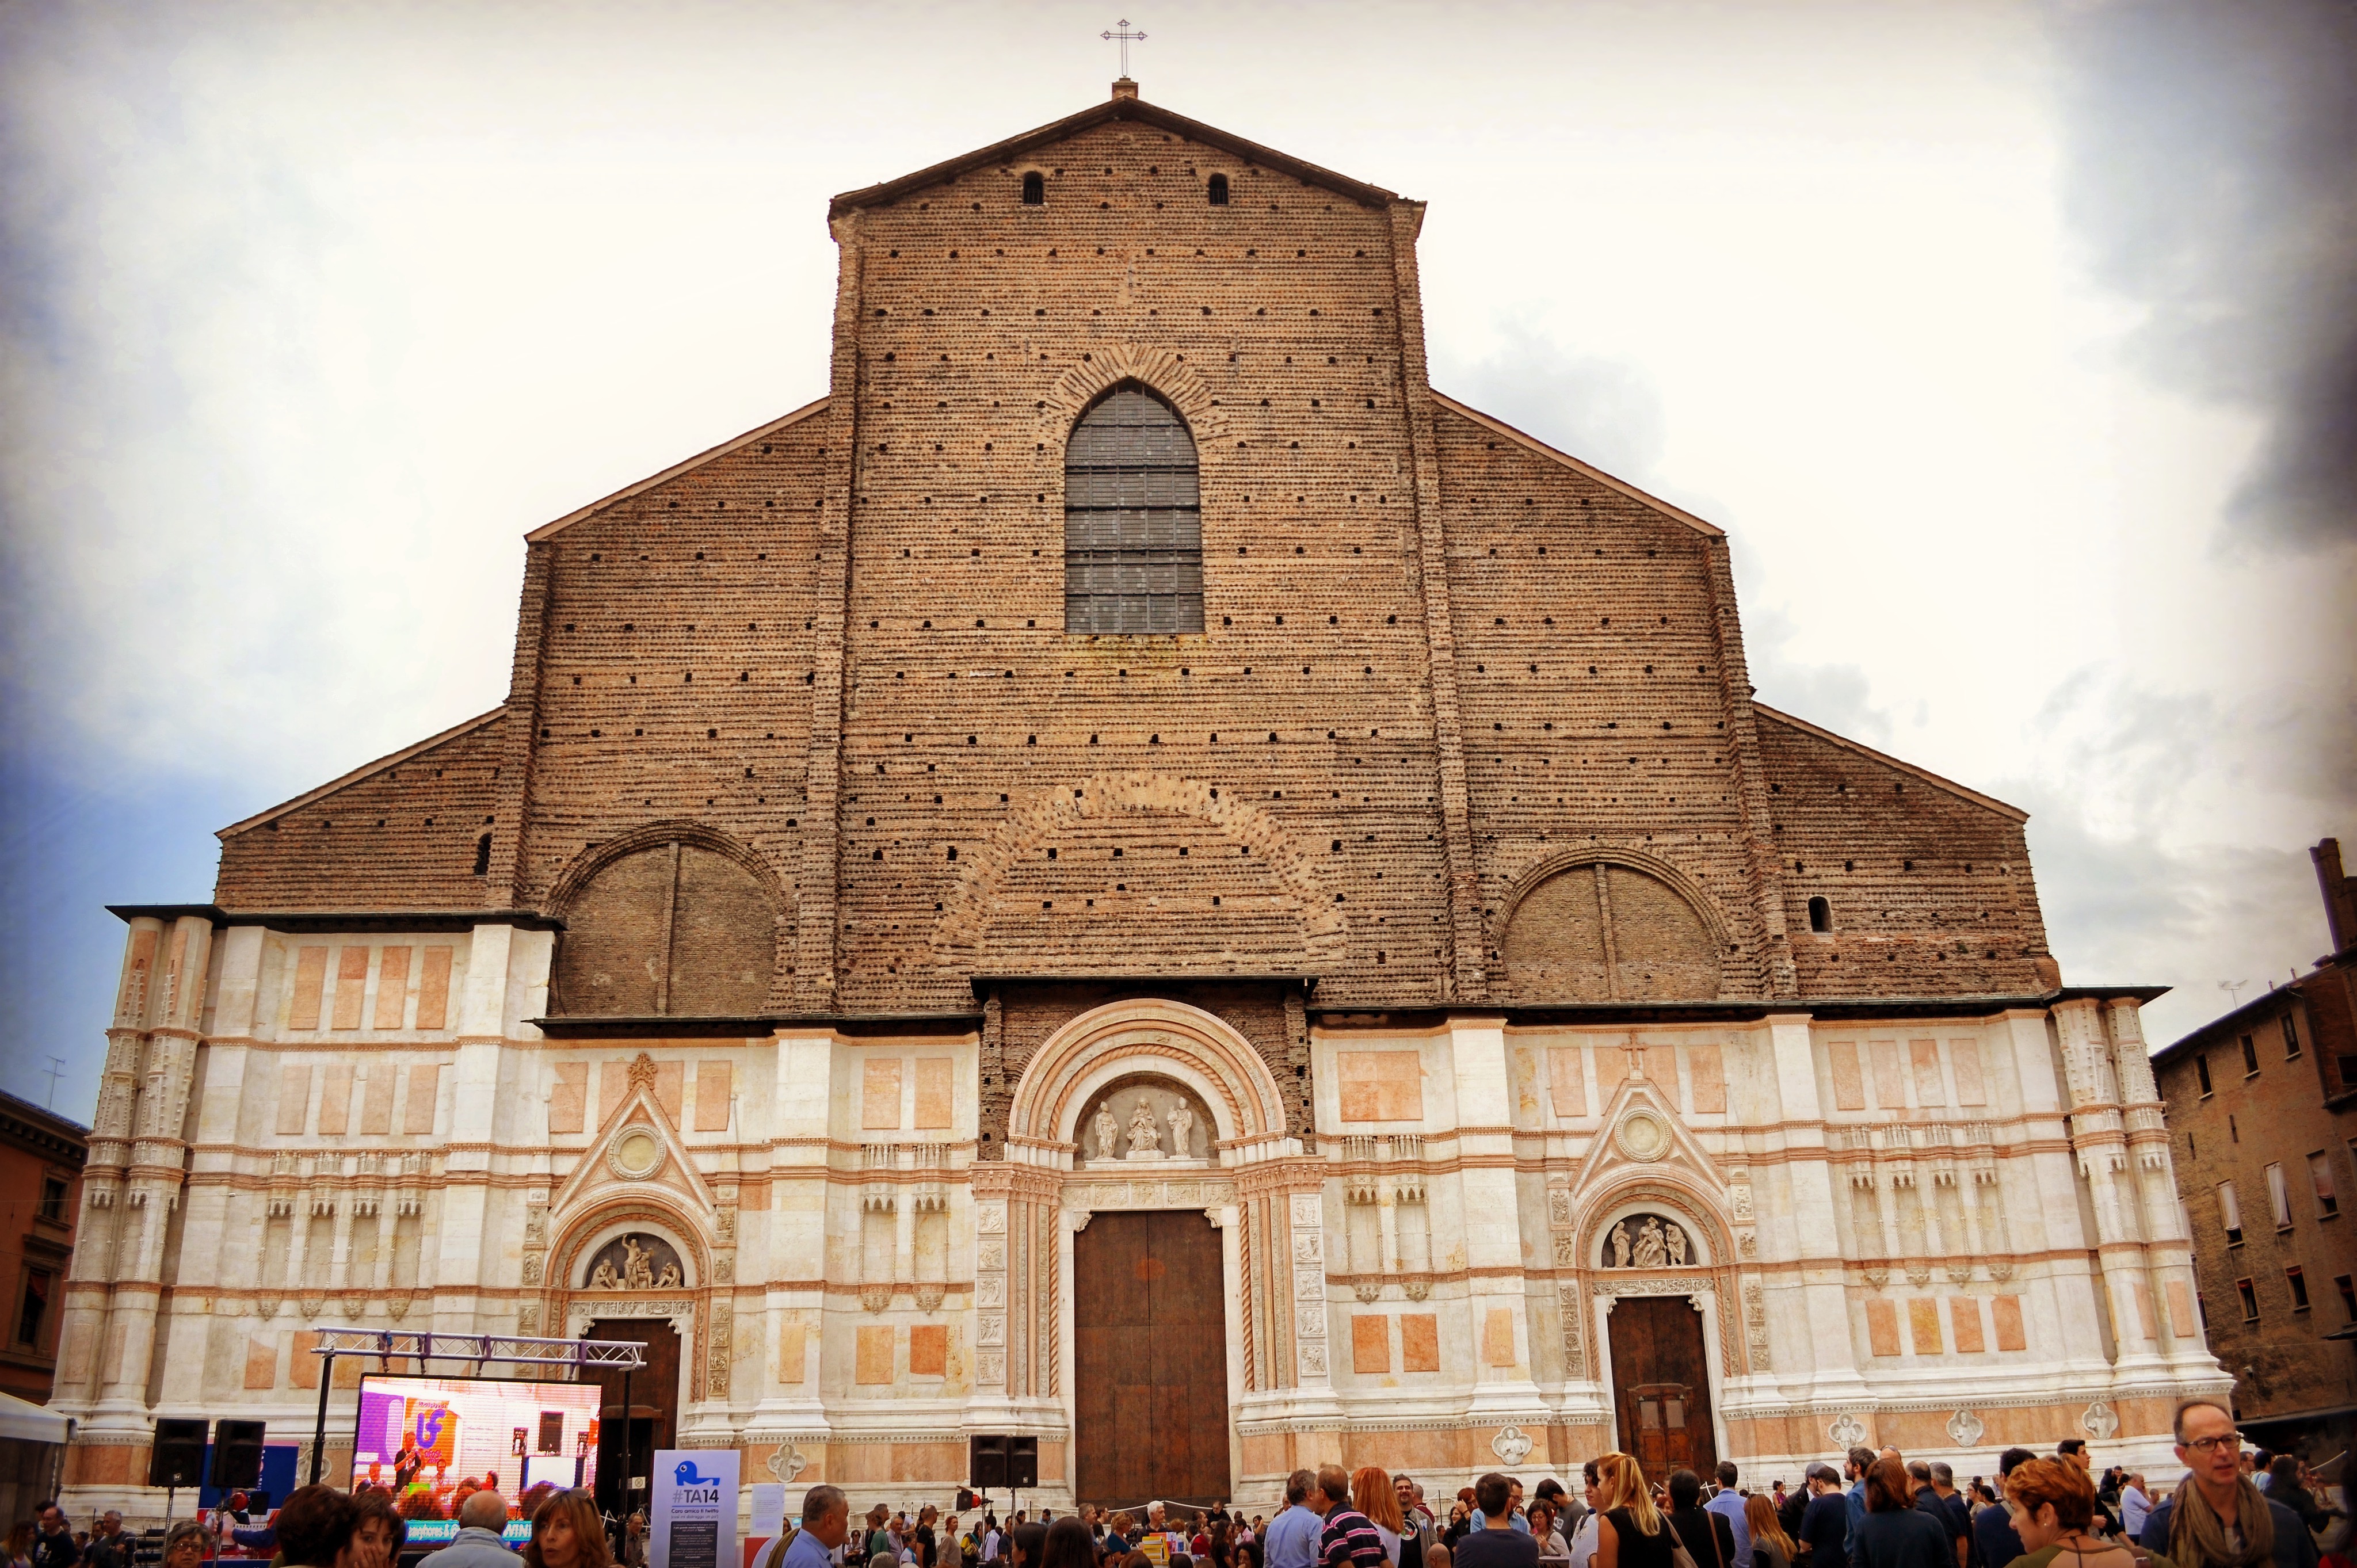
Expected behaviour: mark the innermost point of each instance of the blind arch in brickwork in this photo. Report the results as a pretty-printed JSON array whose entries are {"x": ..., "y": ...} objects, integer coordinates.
[
  {"x": 1093, "y": 811},
  {"x": 671, "y": 920},
  {"x": 1610, "y": 926}
]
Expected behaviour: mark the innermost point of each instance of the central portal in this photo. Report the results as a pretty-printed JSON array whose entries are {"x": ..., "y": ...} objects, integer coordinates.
[
  {"x": 1149, "y": 1360},
  {"x": 1661, "y": 1389}
]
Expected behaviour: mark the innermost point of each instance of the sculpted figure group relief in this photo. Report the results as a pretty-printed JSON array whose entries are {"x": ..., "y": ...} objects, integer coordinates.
[
  {"x": 1654, "y": 1243},
  {"x": 627, "y": 1265},
  {"x": 1145, "y": 1132}
]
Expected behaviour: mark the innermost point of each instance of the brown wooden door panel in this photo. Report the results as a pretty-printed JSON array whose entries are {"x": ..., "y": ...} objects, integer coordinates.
[
  {"x": 654, "y": 1403},
  {"x": 1149, "y": 1358},
  {"x": 1660, "y": 1385}
]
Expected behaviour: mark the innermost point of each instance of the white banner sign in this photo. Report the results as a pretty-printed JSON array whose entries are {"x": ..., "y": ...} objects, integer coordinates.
[{"x": 695, "y": 1523}]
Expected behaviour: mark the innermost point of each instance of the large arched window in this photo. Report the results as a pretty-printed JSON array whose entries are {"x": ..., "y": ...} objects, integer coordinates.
[{"x": 1132, "y": 525}]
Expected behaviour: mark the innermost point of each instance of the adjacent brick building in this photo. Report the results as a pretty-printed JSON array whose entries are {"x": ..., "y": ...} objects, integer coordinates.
[
  {"x": 41, "y": 1155},
  {"x": 2263, "y": 1114},
  {"x": 1135, "y": 750}
]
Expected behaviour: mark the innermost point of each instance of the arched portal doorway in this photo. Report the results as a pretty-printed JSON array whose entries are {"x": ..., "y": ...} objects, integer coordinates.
[{"x": 650, "y": 1417}]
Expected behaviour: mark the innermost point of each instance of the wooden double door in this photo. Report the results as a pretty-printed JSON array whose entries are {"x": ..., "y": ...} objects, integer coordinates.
[
  {"x": 1149, "y": 1360},
  {"x": 627, "y": 1441},
  {"x": 1661, "y": 1386}
]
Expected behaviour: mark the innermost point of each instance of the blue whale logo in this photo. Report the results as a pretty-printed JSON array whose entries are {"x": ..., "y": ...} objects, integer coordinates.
[{"x": 685, "y": 1475}]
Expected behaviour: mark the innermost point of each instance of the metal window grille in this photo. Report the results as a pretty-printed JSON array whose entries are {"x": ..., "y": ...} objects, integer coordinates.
[{"x": 1132, "y": 521}]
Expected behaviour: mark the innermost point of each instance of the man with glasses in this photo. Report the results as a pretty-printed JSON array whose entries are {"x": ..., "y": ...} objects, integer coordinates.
[{"x": 2219, "y": 1519}]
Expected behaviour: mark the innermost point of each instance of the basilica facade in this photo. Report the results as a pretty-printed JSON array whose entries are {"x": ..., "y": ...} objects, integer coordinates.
[{"x": 1137, "y": 875}]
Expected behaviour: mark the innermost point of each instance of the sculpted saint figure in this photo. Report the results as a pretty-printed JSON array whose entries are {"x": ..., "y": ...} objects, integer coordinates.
[
  {"x": 1650, "y": 1250},
  {"x": 1675, "y": 1237},
  {"x": 1106, "y": 1131},
  {"x": 637, "y": 1273},
  {"x": 602, "y": 1276},
  {"x": 1145, "y": 1138},
  {"x": 1182, "y": 1131},
  {"x": 1619, "y": 1240},
  {"x": 669, "y": 1280}
]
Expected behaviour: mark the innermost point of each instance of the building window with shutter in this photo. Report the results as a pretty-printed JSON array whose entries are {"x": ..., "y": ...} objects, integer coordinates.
[
  {"x": 2347, "y": 1285},
  {"x": 1132, "y": 521},
  {"x": 2295, "y": 1278},
  {"x": 2201, "y": 1074},
  {"x": 2229, "y": 1214},
  {"x": 2250, "y": 1058},
  {"x": 2292, "y": 1037},
  {"x": 2320, "y": 1171},
  {"x": 2278, "y": 1198},
  {"x": 33, "y": 1309},
  {"x": 2250, "y": 1295}
]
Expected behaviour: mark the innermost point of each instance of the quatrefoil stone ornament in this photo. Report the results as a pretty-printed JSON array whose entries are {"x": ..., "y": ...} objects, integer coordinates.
[
  {"x": 1964, "y": 1428},
  {"x": 1847, "y": 1431},
  {"x": 1512, "y": 1444}
]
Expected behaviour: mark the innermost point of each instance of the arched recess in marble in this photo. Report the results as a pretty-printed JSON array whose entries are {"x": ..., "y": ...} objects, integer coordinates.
[
  {"x": 1710, "y": 1236},
  {"x": 638, "y": 1213},
  {"x": 1165, "y": 1039}
]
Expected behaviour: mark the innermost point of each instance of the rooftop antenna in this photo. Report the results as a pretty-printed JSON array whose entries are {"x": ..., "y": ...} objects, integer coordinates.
[
  {"x": 1127, "y": 38},
  {"x": 57, "y": 1066},
  {"x": 2233, "y": 990}
]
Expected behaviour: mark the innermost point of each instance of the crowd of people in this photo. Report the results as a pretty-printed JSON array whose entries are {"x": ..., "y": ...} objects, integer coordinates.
[{"x": 2233, "y": 1507}]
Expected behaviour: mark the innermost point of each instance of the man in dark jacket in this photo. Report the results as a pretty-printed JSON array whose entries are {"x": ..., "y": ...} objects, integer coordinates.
[
  {"x": 2224, "y": 1510},
  {"x": 1995, "y": 1540}
]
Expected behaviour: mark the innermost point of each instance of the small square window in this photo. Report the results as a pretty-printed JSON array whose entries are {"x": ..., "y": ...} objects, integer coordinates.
[
  {"x": 2298, "y": 1282},
  {"x": 2249, "y": 1300}
]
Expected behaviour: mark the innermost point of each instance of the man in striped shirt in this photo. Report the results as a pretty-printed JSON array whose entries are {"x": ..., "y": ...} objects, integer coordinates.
[{"x": 1349, "y": 1539}]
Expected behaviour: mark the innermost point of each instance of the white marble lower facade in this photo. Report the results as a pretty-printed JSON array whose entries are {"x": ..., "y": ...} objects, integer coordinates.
[{"x": 1949, "y": 1233}]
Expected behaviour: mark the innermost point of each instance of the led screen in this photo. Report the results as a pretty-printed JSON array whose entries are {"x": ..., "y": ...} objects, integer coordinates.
[{"x": 428, "y": 1437}]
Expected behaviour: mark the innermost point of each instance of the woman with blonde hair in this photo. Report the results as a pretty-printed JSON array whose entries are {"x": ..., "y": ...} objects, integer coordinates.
[
  {"x": 1372, "y": 1494},
  {"x": 1632, "y": 1533},
  {"x": 1770, "y": 1547}
]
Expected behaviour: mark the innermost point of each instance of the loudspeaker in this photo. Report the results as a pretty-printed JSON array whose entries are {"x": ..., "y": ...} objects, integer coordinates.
[
  {"x": 966, "y": 1500},
  {"x": 1022, "y": 1462},
  {"x": 986, "y": 1467},
  {"x": 177, "y": 1459},
  {"x": 237, "y": 1456}
]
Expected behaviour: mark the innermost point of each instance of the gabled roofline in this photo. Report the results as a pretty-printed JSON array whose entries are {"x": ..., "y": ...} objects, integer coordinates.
[
  {"x": 1119, "y": 108},
  {"x": 1884, "y": 757},
  {"x": 357, "y": 774},
  {"x": 548, "y": 530},
  {"x": 1490, "y": 422}
]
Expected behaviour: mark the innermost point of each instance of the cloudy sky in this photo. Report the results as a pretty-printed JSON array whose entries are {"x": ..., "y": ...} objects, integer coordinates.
[{"x": 2014, "y": 345}]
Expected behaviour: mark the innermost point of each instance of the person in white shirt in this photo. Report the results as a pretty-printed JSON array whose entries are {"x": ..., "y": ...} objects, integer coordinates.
[
  {"x": 2134, "y": 1504},
  {"x": 1583, "y": 1538}
]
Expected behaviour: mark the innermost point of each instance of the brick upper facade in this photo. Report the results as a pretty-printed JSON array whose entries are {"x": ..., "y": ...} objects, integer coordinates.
[{"x": 1441, "y": 664}]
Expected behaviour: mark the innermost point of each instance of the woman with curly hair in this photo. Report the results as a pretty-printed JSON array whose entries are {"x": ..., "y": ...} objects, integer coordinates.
[
  {"x": 1632, "y": 1533},
  {"x": 566, "y": 1533}
]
